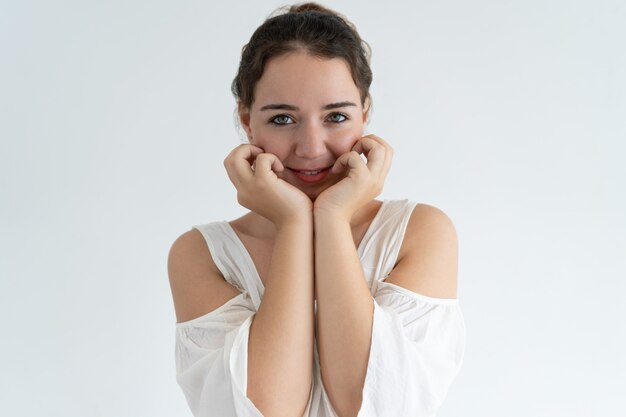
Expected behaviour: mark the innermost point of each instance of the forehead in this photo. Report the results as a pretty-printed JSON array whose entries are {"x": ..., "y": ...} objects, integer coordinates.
[{"x": 300, "y": 79}]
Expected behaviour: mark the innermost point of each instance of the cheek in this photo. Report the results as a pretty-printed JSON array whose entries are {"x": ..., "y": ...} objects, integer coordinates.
[
  {"x": 274, "y": 144},
  {"x": 343, "y": 140}
]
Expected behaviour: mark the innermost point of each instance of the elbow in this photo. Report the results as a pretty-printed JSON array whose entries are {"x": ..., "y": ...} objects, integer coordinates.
[
  {"x": 348, "y": 405},
  {"x": 272, "y": 405},
  {"x": 280, "y": 410}
]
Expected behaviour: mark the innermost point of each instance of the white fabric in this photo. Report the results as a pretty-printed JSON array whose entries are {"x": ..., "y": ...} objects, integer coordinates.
[{"x": 417, "y": 341}]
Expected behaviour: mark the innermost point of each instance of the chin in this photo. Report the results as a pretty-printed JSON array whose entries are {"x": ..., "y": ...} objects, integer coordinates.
[
  {"x": 314, "y": 191},
  {"x": 312, "y": 194}
]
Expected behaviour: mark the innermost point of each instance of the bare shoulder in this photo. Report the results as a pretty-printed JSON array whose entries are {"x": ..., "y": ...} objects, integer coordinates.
[
  {"x": 428, "y": 259},
  {"x": 197, "y": 285},
  {"x": 428, "y": 223}
]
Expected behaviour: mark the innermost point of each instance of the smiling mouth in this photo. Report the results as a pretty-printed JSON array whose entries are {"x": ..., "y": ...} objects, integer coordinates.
[
  {"x": 311, "y": 175},
  {"x": 310, "y": 172}
]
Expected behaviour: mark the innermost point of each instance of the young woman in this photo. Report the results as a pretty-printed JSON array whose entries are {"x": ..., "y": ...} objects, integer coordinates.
[{"x": 321, "y": 301}]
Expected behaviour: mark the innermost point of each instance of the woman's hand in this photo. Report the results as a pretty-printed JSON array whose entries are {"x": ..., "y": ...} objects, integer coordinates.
[
  {"x": 363, "y": 182},
  {"x": 256, "y": 176}
]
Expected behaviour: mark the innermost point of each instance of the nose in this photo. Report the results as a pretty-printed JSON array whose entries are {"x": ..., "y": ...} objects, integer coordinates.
[{"x": 311, "y": 141}]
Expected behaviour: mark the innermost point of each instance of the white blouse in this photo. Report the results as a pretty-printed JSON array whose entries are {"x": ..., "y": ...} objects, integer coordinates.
[{"x": 416, "y": 350}]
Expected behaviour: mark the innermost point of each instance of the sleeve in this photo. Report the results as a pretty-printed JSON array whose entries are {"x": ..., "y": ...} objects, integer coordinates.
[
  {"x": 212, "y": 360},
  {"x": 416, "y": 351}
]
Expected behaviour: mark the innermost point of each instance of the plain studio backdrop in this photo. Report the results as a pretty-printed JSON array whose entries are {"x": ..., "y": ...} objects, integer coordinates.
[{"x": 115, "y": 118}]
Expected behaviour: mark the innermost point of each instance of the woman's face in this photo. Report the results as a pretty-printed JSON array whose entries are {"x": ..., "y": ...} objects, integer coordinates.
[{"x": 307, "y": 111}]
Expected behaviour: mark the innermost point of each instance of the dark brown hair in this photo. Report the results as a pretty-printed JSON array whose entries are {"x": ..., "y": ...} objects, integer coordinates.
[{"x": 309, "y": 27}]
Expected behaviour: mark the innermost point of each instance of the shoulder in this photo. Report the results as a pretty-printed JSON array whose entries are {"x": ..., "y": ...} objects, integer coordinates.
[
  {"x": 189, "y": 251},
  {"x": 431, "y": 223},
  {"x": 428, "y": 258},
  {"x": 196, "y": 283}
]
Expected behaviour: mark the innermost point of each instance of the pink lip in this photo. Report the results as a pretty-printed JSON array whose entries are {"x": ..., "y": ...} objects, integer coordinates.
[{"x": 311, "y": 178}]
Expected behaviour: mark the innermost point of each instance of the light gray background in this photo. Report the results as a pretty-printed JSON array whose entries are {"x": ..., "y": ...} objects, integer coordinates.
[{"x": 115, "y": 118}]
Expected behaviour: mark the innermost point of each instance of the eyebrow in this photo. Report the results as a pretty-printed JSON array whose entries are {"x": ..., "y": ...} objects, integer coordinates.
[{"x": 294, "y": 108}]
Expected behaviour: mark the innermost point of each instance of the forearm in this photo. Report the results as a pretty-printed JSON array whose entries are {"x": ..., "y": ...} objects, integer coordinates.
[
  {"x": 281, "y": 335},
  {"x": 344, "y": 314}
]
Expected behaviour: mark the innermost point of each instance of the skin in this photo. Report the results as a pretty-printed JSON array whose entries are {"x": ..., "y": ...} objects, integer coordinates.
[{"x": 303, "y": 237}]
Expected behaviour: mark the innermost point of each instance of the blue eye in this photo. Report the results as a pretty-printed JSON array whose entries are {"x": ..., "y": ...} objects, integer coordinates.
[
  {"x": 337, "y": 118},
  {"x": 281, "y": 119}
]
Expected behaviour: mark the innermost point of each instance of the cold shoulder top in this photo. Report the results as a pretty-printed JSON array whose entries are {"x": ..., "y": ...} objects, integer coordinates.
[{"x": 416, "y": 351}]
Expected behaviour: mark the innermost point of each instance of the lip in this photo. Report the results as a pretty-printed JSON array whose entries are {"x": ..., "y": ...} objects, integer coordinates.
[{"x": 311, "y": 178}]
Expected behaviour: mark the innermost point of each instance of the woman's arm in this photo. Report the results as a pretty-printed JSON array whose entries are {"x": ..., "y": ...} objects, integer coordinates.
[
  {"x": 280, "y": 345},
  {"x": 281, "y": 335},
  {"x": 344, "y": 303},
  {"x": 344, "y": 314},
  {"x": 427, "y": 264}
]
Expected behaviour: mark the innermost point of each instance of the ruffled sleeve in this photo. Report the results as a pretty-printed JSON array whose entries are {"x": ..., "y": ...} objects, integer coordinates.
[
  {"x": 416, "y": 351},
  {"x": 212, "y": 360}
]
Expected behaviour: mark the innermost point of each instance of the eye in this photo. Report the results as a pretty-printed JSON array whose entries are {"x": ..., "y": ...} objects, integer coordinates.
[
  {"x": 337, "y": 117},
  {"x": 281, "y": 119}
]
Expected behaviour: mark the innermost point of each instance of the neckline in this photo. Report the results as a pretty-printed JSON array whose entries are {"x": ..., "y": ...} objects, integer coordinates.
[
  {"x": 370, "y": 229},
  {"x": 359, "y": 250}
]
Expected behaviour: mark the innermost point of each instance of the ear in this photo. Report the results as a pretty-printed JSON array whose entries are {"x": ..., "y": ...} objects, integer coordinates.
[
  {"x": 244, "y": 119},
  {"x": 366, "y": 109}
]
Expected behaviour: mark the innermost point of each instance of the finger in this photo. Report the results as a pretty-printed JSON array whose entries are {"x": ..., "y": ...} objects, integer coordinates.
[
  {"x": 350, "y": 160},
  {"x": 387, "y": 146},
  {"x": 374, "y": 151},
  {"x": 239, "y": 162},
  {"x": 388, "y": 150},
  {"x": 267, "y": 163},
  {"x": 249, "y": 153},
  {"x": 244, "y": 152},
  {"x": 378, "y": 140}
]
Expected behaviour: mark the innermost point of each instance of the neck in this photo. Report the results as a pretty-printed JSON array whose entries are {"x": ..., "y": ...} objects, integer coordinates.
[{"x": 261, "y": 228}]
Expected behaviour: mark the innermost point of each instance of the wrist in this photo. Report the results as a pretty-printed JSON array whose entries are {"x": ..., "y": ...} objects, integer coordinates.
[
  {"x": 323, "y": 216},
  {"x": 296, "y": 221}
]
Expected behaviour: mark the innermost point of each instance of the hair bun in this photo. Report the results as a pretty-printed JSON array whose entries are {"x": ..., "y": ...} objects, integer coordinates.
[{"x": 310, "y": 7}]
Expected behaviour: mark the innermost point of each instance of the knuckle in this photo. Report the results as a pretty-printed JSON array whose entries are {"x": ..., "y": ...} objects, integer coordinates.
[{"x": 242, "y": 198}]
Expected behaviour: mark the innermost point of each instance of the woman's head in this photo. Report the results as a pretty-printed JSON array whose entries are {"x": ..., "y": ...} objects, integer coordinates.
[
  {"x": 303, "y": 93},
  {"x": 307, "y": 27}
]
